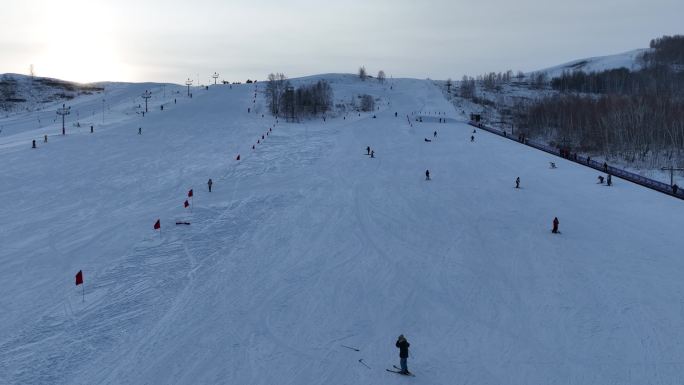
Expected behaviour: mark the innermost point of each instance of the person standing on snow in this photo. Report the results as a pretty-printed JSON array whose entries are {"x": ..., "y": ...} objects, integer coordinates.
[
  {"x": 427, "y": 174},
  {"x": 472, "y": 138},
  {"x": 610, "y": 180},
  {"x": 434, "y": 135},
  {"x": 367, "y": 150},
  {"x": 555, "y": 225},
  {"x": 517, "y": 182},
  {"x": 403, "y": 346},
  {"x": 210, "y": 183}
]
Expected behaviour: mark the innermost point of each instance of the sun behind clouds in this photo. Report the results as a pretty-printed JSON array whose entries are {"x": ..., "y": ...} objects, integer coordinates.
[{"x": 80, "y": 43}]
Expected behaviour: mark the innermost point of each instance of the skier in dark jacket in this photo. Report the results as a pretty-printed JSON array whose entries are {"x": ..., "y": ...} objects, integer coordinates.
[
  {"x": 403, "y": 346},
  {"x": 427, "y": 174},
  {"x": 210, "y": 183},
  {"x": 555, "y": 225},
  {"x": 367, "y": 150},
  {"x": 610, "y": 180},
  {"x": 517, "y": 182}
]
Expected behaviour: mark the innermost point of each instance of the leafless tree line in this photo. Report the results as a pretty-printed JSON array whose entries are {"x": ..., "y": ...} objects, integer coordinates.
[
  {"x": 294, "y": 103},
  {"x": 632, "y": 127}
]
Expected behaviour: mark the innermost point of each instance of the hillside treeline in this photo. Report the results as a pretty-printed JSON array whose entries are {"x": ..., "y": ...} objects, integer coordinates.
[
  {"x": 301, "y": 102},
  {"x": 633, "y": 115}
]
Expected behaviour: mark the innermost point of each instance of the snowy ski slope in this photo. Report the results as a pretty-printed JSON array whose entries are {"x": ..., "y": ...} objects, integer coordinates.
[{"x": 306, "y": 244}]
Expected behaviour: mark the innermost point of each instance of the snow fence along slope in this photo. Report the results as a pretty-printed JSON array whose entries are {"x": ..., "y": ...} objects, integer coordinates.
[{"x": 306, "y": 244}]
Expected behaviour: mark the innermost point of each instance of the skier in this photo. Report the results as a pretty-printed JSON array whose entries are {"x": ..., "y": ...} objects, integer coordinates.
[
  {"x": 139, "y": 130},
  {"x": 600, "y": 178},
  {"x": 403, "y": 346},
  {"x": 34, "y": 144},
  {"x": 552, "y": 164},
  {"x": 209, "y": 183},
  {"x": 367, "y": 150},
  {"x": 434, "y": 134},
  {"x": 517, "y": 182},
  {"x": 472, "y": 138},
  {"x": 555, "y": 225},
  {"x": 372, "y": 154},
  {"x": 427, "y": 174},
  {"x": 605, "y": 167},
  {"x": 610, "y": 181},
  {"x": 45, "y": 138}
]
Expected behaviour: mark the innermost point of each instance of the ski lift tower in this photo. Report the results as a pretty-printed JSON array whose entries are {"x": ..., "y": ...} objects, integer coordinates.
[
  {"x": 215, "y": 76},
  {"x": 188, "y": 83},
  {"x": 64, "y": 111},
  {"x": 146, "y": 95}
]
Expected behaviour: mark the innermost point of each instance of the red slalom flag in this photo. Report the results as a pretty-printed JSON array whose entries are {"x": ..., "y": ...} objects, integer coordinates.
[
  {"x": 157, "y": 225},
  {"x": 190, "y": 193},
  {"x": 238, "y": 157},
  {"x": 186, "y": 204},
  {"x": 79, "y": 278}
]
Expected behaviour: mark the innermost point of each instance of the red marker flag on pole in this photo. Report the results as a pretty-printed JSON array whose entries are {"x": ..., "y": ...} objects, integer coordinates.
[
  {"x": 157, "y": 225},
  {"x": 186, "y": 204},
  {"x": 190, "y": 193},
  {"x": 79, "y": 278}
]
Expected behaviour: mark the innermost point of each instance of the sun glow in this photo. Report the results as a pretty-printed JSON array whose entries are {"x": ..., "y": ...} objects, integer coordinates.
[{"x": 80, "y": 44}]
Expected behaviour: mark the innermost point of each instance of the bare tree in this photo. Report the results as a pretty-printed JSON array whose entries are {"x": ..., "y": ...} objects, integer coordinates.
[
  {"x": 381, "y": 76},
  {"x": 362, "y": 73},
  {"x": 468, "y": 87},
  {"x": 274, "y": 89},
  {"x": 367, "y": 103}
]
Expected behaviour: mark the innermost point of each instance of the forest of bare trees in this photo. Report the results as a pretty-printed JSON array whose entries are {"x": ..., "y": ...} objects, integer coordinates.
[
  {"x": 637, "y": 116},
  {"x": 295, "y": 103}
]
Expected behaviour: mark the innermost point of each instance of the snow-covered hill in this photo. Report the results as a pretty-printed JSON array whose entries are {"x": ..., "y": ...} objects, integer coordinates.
[
  {"x": 630, "y": 60},
  {"x": 306, "y": 244},
  {"x": 21, "y": 93}
]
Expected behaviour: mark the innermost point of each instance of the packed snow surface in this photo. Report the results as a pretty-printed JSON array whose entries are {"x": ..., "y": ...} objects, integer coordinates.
[
  {"x": 306, "y": 244},
  {"x": 630, "y": 60}
]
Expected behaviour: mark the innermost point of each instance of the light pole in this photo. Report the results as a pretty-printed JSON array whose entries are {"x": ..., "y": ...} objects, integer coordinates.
[
  {"x": 64, "y": 111},
  {"x": 215, "y": 76},
  {"x": 188, "y": 83},
  {"x": 146, "y": 95},
  {"x": 672, "y": 169}
]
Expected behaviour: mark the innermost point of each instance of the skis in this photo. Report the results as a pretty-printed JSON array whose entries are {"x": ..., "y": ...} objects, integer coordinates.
[{"x": 398, "y": 371}]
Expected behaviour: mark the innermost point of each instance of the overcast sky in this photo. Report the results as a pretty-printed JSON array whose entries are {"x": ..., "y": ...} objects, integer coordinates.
[{"x": 171, "y": 40}]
